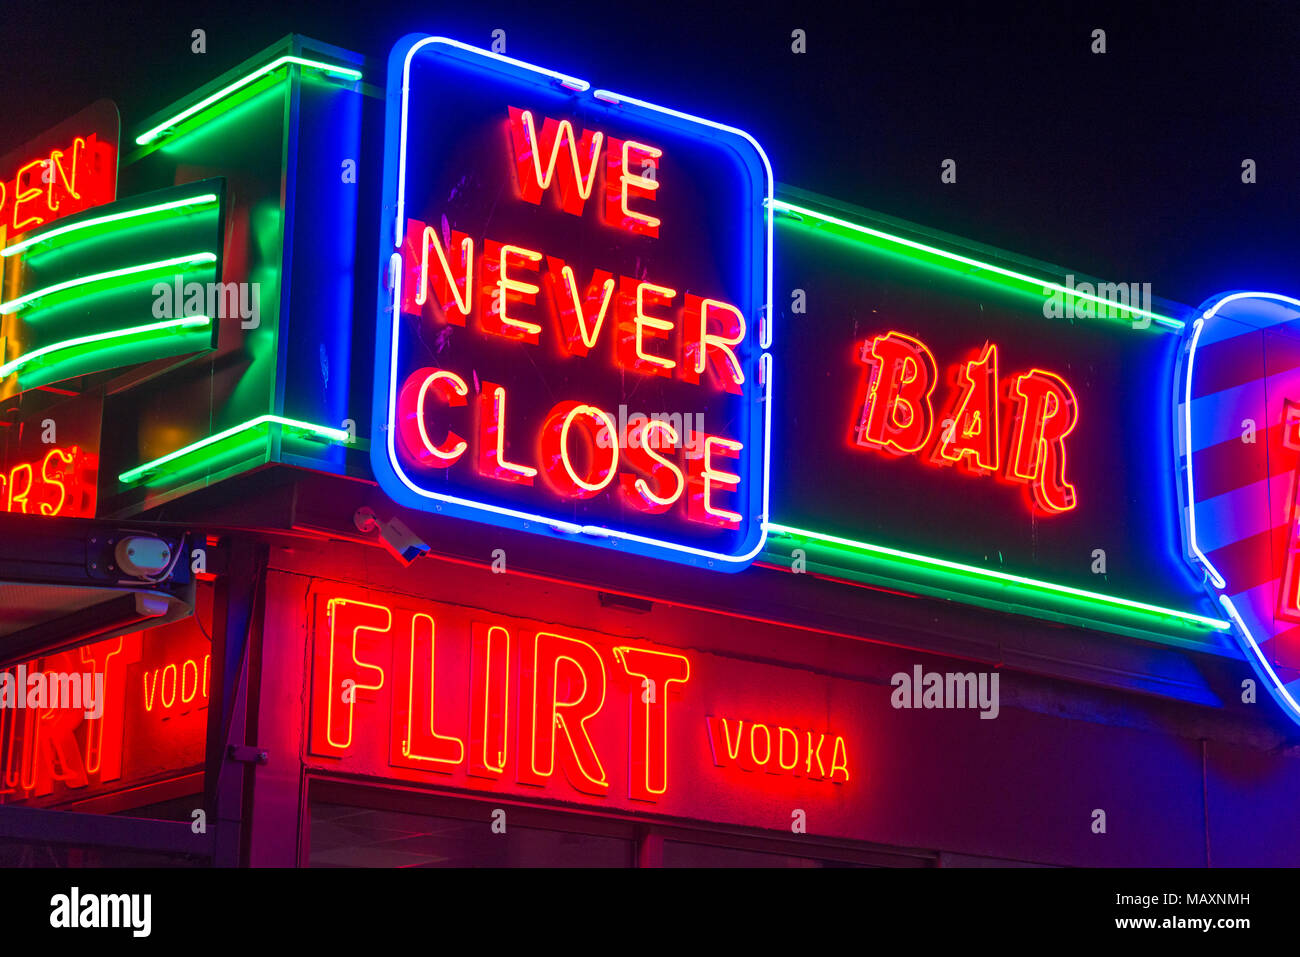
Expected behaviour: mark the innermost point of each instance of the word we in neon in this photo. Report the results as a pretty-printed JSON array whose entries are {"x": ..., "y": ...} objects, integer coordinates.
[
  {"x": 492, "y": 701},
  {"x": 62, "y": 182},
  {"x": 63, "y": 483},
  {"x": 1014, "y": 428}
]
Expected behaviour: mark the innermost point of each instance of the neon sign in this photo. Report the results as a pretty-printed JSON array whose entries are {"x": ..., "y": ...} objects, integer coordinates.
[
  {"x": 443, "y": 694},
  {"x": 816, "y": 755},
  {"x": 553, "y": 258},
  {"x": 77, "y": 175},
  {"x": 897, "y": 415},
  {"x": 1238, "y": 398},
  {"x": 61, "y": 483},
  {"x": 931, "y": 378},
  {"x": 494, "y": 700}
]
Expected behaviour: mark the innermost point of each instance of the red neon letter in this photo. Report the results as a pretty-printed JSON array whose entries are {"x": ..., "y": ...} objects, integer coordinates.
[
  {"x": 344, "y": 669},
  {"x": 489, "y": 721},
  {"x": 452, "y": 300},
  {"x": 492, "y": 438},
  {"x": 557, "y": 705},
  {"x": 418, "y": 741},
  {"x": 528, "y": 149},
  {"x": 557, "y": 464},
  {"x": 25, "y": 197},
  {"x": 703, "y": 478},
  {"x": 580, "y": 319},
  {"x": 897, "y": 415},
  {"x": 621, "y": 182},
  {"x": 971, "y": 440},
  {"x": 633, "y": 323},
  {"x": 413, "y": 434},
  {"x": 648, "y": 727},
  {"x": 642, "y": 452},
  {"x": 500, "y": 290},
  {"x": 714, "y": 349},
  {"x": 1047, "y": 413}
]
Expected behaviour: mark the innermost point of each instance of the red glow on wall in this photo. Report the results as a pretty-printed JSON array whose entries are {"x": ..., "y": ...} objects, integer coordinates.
[
  {"x": 895, "y": 413},
  {"x": 149, "y": 722},
  {"x": 61, "y": 483},
  {"x": 76, "y": 176},
  {"x": 777, "y": 749}
]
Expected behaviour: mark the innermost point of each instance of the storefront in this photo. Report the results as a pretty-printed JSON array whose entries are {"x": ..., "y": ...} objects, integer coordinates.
[{"x": 443, "y": 461}]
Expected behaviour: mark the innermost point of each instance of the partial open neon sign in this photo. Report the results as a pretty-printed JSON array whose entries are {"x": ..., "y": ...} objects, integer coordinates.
[{"x": 78, "y": 175}]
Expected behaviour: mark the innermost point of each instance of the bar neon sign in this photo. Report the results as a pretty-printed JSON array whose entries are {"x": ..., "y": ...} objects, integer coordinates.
[
  {"x": 630, "y": 263},
  {"x": 897, "y": 416}
]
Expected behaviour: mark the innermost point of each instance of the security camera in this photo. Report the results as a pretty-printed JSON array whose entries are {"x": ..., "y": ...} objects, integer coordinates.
[{"x": 402, "y": 543}]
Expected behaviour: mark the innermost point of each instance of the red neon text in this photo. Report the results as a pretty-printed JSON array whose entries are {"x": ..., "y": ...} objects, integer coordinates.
[
  {"x": 62, "y": 182},
  {"x": 538, "y": 166},
  {"x": 778, "y": 749},
  {"x": 896, "y": 413},
  {"x": 658, "y": 331},
  {"x": 493, "y": 700},
  {"x": 574, "y": 448}
]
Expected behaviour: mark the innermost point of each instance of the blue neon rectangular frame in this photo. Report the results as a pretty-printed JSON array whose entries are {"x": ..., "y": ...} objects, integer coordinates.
[{"x": 754, "y": 257}]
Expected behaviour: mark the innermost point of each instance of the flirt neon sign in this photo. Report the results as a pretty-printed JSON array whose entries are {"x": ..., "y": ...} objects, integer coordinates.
[
  {"x": 554, "y": 256},
  {"x": 1014, "y": 428},
  {"x": 447, "y": 695}
]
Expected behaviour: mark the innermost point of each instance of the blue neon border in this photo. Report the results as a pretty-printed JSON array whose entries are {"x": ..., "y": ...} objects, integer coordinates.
[
  {"x": 1214, "y": 583},
  {"x": 755, "y": 468}
]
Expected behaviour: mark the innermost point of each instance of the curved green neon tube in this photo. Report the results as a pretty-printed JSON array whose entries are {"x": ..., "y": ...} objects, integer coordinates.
[
  {"x": 146, "y": 331},
  {"x": 321, "y": 431},
  {"x": 13, "y": 305},
  {"x": 993, "y": 575},
  {"x": 16, "y": 248}
]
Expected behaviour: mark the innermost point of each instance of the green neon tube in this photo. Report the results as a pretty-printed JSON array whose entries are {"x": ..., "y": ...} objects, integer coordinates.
[
  {"x": 16, "y": 248},
  {"x": 989, "y": 574},
  {"x": 322, "y": 431},
  {"x": 782, "y": 206},
  {"x": 137, "y": 332},
  {"x": 150, "y": 135},
  {"x": 14, "y": 305}
]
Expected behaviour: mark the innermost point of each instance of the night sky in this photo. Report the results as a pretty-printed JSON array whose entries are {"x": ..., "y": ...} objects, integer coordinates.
[{"x": 1126, "y": 165}]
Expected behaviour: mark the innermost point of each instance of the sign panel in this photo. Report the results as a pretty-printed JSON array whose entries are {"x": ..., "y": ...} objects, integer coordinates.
[
  {"x": 572, "y": 321},
  {"x": 441, "y": 694},
  {"x": 967, "y": 424},
  {"x": 65, "y": 170}
]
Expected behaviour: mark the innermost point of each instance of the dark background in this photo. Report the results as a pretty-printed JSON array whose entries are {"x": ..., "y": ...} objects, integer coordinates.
[{"x": 1125, "y": 165}]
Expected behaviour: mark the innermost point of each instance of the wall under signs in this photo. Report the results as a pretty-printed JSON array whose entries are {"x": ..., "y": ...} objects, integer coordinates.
[{"x": 1022, "y": 786}]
